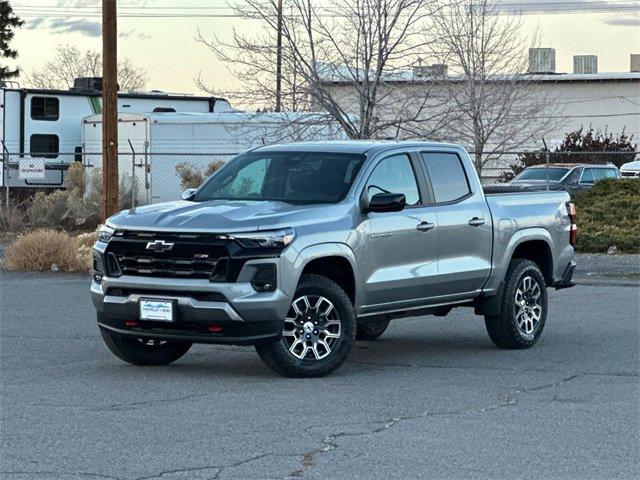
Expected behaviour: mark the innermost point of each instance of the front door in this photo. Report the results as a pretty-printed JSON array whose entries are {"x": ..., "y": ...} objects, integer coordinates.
[{"x": 399, "y": 252}]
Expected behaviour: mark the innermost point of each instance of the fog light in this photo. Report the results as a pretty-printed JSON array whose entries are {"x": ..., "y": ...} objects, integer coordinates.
[
  {"x": 264, "y": 280},
  {"x": 97, "y": 278}
]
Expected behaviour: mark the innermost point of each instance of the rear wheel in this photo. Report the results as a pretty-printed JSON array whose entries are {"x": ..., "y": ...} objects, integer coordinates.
[
  {"x": 144, "y": 351},
  {"x": 523, "y": 310},
  {"x": 372, "y": 330},
  {"x": 318, "y": 333}
]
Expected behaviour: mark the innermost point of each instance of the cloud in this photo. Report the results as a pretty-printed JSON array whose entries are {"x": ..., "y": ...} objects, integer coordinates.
[
  {"x": 82, "y": 26},
  {"x": 554, "y": 6},
  {"x": 134, "y": 34},
  {"x": 624, "y": 21}
]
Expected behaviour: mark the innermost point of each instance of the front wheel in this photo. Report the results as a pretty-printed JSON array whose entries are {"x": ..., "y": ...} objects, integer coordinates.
[
  {"x": 142, "y": 351},
  {"x": 318, "y": 334},
  {"x": 523, "y": 310}
]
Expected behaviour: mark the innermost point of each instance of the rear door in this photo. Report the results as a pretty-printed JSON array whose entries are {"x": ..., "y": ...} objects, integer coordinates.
[{"x": 464, "y": 233}]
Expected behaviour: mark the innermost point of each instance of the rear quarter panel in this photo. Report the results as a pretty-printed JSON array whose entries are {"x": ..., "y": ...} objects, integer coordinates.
[{"x": 521, "y": 217}]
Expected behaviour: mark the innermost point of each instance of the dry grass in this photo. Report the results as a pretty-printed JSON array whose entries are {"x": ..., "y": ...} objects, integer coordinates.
[{"x": 48, "y": 249}]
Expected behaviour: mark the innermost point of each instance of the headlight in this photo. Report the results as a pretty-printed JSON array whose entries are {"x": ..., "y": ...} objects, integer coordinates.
[
  {"x": 105, "y": 233},
  {"x": 266, "y": 239}
]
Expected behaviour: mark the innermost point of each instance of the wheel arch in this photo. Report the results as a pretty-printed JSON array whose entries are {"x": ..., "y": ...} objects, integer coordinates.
[
  {"x": 334, "y": 261},
  {"x": 537, "y": 250}
]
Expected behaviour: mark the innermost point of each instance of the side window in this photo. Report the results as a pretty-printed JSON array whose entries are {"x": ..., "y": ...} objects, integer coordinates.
[
  {"x": 587, "y": 176},
  {"x": 395, "y": 175},
  {"x": 602, "y": 173},
  {"x": 44, "y": 146},
  {"x": 574, "y": 176},
  {"x": 448, "y": 179},
  {"x": 250, "y": 180},
  {"x": 45, "y": 108}
]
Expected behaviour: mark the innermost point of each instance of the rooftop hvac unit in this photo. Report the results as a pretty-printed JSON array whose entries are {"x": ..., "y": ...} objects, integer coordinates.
[
  {"x": 542, "y": 60},
  {"x": 437, "y": 70},
  {"x": 585, "y": 64}
]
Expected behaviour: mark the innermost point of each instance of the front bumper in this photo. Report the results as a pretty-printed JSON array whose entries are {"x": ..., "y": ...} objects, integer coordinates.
[{"x": 242, "y": 315}]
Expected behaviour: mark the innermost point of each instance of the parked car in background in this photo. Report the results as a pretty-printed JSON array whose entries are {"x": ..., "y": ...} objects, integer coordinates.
[
  {"x": 565, "y": 176},
  {"x": 631, "y": 169}
]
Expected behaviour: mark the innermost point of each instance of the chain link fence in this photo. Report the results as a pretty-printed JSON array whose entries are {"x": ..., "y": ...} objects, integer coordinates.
[
  {"x": 68, "y": 190},
  {"x": 504, "y": 166}
]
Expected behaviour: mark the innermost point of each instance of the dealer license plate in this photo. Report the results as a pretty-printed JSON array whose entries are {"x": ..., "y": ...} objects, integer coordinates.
[{"x": 156, "y": 310}]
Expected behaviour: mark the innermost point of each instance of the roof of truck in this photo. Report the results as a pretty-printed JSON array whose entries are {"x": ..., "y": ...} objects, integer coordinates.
[{"x": 353, "y": 146}]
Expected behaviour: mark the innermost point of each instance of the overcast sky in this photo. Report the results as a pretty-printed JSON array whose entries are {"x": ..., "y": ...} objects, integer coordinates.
[{"x": 164, "y": 45}]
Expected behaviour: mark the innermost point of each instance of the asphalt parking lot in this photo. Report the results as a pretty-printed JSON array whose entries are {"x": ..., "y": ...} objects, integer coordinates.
[{"x": 431, "y": 399}]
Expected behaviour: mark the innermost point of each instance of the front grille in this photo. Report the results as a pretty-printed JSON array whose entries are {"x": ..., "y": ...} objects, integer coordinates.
[{"x": 190, "y": 256}]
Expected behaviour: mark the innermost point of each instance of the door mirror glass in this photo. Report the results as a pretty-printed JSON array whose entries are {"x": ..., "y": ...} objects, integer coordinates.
[
  {"x": 387, "y": 202},
  {"x": 188, "y": 194}
]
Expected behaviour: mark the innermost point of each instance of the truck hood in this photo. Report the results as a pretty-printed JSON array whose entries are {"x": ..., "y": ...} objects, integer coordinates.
[{"x": 223, "y": 216}]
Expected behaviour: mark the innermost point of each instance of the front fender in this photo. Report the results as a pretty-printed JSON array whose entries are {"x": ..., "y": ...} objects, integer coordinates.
[{"x": 314, "y": 252}]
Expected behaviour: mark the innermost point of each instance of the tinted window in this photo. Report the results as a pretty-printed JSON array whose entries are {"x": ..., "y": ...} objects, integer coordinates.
[
  {"x": 538, "y": 173},
  {"x": 574, "y": 176},
  {"x": 448, "y": 180},
  {"x": 601, "y": 173},
  {"x": 45, "y": 108},
  {"x": 292, "y": 177},
  {"x": 395, "y": 175},
  {"x": 46, "y": 146}
]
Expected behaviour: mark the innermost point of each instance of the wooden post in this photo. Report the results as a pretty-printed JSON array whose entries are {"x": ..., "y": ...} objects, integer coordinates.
[
  {"x": 279, "y": 60},
  {"x": 109, "y": 109}
]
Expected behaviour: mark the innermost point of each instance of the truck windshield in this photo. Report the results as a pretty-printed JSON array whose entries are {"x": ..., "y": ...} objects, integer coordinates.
[
  {"x": 555, "y": 174},
  {"x": 292, "y": 177}
]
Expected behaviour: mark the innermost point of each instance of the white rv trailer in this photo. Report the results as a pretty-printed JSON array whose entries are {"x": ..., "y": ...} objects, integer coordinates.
[
  {"x": 47, "y": 124},
  {"x": 163, "y": 140}
]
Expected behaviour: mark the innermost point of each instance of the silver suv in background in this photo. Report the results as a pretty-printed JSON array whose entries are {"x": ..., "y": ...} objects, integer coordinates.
[{"x": 301, "y": 249}]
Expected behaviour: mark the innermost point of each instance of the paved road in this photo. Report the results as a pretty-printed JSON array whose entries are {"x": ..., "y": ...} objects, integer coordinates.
[{"x": 431, "y": 399}]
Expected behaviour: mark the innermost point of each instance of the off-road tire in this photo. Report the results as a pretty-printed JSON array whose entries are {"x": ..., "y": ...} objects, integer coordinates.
[
  {"x": 372, "y": 330},
  {"x": 277, "y": 356},
  {"x": 503, "y": 329},
  {"x": 138, "y": 352}
]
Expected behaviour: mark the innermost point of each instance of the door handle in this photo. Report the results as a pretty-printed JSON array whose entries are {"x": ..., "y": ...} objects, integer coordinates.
[
  {"x": 476, "y": 222},
  {"x": 426, "y": 226}
]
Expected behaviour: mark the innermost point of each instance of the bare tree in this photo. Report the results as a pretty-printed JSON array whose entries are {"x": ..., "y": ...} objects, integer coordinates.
[
  {"x": 498, "y": 106},
  {"x": 251, "y": 58},
  {"x": 70, "y": 62},
  {"x": 339, "y": 57}
]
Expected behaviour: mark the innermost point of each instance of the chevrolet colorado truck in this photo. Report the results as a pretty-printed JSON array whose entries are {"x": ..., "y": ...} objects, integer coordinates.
[{"x": 301, "y": 249}]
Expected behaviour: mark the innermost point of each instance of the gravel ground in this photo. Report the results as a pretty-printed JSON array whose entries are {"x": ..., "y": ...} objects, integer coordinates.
[{"x": 431, "y": 399}]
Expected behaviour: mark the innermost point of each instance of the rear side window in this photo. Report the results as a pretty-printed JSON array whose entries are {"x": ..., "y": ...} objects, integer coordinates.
[
  {"x": 602, "y": 173},
  {"x": 448, "y": 179},
  {"x": 44, "y": 146},
  {"x": 45, "y": 108}
]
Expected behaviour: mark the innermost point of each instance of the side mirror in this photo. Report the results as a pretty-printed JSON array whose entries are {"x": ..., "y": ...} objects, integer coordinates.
[
  {"x": 387, "y": 202},
  {"x": 188, "y": 194}
]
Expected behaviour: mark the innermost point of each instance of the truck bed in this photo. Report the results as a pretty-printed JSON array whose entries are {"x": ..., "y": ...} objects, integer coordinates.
[{"x": 509, "y": 188}]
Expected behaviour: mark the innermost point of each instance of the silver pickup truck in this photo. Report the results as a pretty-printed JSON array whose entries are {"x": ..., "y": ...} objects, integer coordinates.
[{"x": 301, "y": 249}]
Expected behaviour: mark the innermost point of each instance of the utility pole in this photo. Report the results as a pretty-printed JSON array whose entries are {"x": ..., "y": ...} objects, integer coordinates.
[
  {"x": 109, "y": 109},
  {"x": 279, "y": 60}
]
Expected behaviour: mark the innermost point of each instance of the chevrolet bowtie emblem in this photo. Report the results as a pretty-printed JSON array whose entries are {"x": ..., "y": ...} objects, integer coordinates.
[{"x": 159, "y": 246}]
